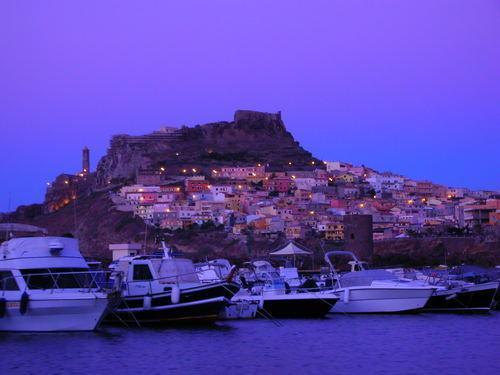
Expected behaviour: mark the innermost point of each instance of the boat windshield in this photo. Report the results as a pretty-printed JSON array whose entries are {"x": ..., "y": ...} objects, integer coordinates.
[
  {"x": 57, "y": 278},
  {"x": 176, "y": 270},
  {"x": 365, "y": 278}
]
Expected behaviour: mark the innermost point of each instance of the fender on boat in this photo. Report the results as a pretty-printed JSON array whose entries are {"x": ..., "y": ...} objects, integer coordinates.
[
  {"x": 346, "y": 295},
  {"x": 3, "y": 307},
  {"x": 147, "y": 302},
  {"x": 24, "y": 303},
  {"x": 175, "y": 294}
]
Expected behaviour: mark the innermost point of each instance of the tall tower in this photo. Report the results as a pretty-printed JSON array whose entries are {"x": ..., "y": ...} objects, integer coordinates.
[
  {"x": 85, "y": 160},
  {"x": 358, "y": 235}
]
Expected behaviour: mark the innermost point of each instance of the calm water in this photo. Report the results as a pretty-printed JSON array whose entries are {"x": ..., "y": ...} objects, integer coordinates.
[{"x": 418, "y": 344}]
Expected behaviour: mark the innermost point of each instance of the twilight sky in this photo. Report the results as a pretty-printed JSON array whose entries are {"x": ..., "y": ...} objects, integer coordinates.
[{"x": 411, "y": 86}]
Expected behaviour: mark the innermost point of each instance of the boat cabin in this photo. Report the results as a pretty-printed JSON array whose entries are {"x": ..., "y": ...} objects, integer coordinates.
[
  {"x": 153, "y": 274},
  {"x": 41, "y": 263}
]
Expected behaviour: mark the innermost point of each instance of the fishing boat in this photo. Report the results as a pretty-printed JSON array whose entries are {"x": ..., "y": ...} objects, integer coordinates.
[
  {"x": 46, "y": 286},
  {"x": 363, "y": 291},
  {"x": 262, "y": 284},
  {"x": 162, "y": 289}
]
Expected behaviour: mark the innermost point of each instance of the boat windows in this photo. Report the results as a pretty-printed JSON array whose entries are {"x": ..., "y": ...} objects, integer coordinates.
[
  {"x": 177, "y": 270},
  {"x": 7, "y": 281},
  {"x": 50, "y": 278},
  {"x": 142, "y": 272}
]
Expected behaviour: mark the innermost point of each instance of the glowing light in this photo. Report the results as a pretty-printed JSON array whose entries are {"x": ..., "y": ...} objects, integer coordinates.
[
  {"x": 48, "y": 183},
  {"x": 311, "y": 212},
  {"x": 214, "y": 171},
  {"x": 162, "y": 169},
  {"x": 66, "y": 182},
  {"x": 184, "y": 171},
  {"x": 289, "y": 163},
  {"x": 176, "y": 154},
  {"x": 258, "y": 165},
  {"x": 239, "y": 186},
  {"x": 194, "y": 170},
  {"x": 410, "y": 201},
  {"x": 178, "y": 189},
  {"x": 293, "y": 176},
  {"x": 330, "y": 179},
  {"x": 313, "y": 162},
  {"x": 361, "y": 205}
]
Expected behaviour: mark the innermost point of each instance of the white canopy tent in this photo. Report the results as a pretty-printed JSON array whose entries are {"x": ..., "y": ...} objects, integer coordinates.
[{"x": 290, "y": 249}]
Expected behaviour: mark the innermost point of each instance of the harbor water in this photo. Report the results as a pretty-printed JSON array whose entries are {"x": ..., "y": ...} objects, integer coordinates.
[{"x": 378, "y": 344}]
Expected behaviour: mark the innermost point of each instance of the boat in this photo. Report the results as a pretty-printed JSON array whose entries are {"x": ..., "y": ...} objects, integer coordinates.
[
  {"x": 454, "y": 293},
  {"x": 218, "y": 270},
  {"x": 162, "y": 289},
  {"x": 46, "y": 286},
  {"x": 363, "y": 291},
  {"x": 262, "y": 284},
  {"x": 474, "y": 298}
]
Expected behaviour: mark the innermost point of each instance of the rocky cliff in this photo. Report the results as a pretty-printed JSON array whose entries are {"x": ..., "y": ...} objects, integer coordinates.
[{"x": 252, "y": 137}]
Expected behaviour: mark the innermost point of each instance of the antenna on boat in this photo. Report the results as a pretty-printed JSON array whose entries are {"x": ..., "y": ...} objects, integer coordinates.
[{"x": 145, "y": 236}]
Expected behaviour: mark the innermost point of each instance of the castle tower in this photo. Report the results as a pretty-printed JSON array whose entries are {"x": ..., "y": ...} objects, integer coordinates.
[
  {"x": 358, "y": 235},
  {"x": 85, "y": 160}
]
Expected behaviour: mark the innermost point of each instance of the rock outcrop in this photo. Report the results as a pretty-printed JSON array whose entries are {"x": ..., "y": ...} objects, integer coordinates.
[{"x": 252, "y": 137}]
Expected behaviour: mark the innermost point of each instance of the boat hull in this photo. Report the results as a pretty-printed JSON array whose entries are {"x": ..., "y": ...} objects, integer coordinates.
[
  {"x": 471, "y": 299},
  {"x": 240, "y": 310},
  {"x": 56, "y": 312},
  {"x": 294, "y": 305},
  {"x": 369, "y": 300},
  {"x": 202, "y": 311},
  {"x": 203, "y": 303}
]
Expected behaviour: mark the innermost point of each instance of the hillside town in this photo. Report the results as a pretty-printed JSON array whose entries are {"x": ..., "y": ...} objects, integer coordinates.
[{"x": 297, "y": 203}]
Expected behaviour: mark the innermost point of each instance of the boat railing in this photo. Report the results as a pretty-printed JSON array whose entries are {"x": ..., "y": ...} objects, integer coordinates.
[
  {"x": 168, "y": 280},
  {"x": 84, "y": 281}
]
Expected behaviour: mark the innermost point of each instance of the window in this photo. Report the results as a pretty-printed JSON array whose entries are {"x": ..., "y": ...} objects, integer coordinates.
[
  {"x": 43, "y": 278},
  {"x": 7, "y": 281},
  {"x": 142, "y": 272}
]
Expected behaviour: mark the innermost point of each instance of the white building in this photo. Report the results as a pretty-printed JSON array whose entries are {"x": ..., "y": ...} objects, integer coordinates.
[{"x": 337, "y": 166}]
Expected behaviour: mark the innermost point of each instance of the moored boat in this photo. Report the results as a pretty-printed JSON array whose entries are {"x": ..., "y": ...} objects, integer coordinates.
[
  {"x": 165, "y": 290},
  {"x": 363, "y": 291},
  {"x": 453, "y": 293},
  {"x": 218, "y": 270},
  {"x": 476, "y": 298},
  {"x": 46, "y": 286},
  {"x": 262, "y": 284}
]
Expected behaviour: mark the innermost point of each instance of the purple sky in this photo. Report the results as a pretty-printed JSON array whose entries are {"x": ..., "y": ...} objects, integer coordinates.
[{"x": 408, "y": 86}]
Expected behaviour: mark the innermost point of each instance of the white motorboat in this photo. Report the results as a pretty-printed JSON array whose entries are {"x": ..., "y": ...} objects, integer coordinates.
[
  {"x": 374, "y": 291},
  {"x": 219, "y": 270},
  {"x": 46, "y": 286},
  {"x": 263, "y": 284},
  {"x": 161, "y": 289}
]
